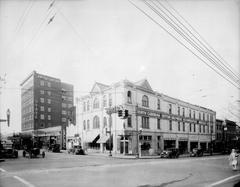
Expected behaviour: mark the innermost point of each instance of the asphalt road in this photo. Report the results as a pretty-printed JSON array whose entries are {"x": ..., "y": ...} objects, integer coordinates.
[{"x": 60, "y": 169}]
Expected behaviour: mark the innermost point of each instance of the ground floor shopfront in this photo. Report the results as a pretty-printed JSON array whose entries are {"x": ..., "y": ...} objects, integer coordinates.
[{"x": 130, "y": 142}]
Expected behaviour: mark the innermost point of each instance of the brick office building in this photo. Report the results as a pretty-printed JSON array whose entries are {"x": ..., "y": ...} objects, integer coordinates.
[{"x": 46, "y": 104}]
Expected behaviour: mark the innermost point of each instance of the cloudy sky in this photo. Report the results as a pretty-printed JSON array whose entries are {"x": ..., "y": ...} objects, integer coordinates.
[{"x": 107, "y": 41}]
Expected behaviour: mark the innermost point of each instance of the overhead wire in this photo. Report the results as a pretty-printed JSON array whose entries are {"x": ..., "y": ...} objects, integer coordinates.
[
  {"x": 186, "y": 36},
  {"x": 228, "y": 65},
  {"x": 179, "y": 41}
]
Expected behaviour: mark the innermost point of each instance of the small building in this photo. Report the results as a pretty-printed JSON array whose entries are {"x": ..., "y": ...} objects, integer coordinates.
[{"x": 155, "y": 121}]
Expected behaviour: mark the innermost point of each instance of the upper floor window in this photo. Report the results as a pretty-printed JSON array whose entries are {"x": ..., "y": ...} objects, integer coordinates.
[
  {"x": 194, "y": 115},
  {"x": 96, "y": 103},
  {"x": 84, "y": 106},
  {"x": 145, "y": 101},
  {"x": 42, "y": 108},
  {"x": 190, "y": 127},
  {"x": 88, "y": 124},
  {"x": 158, "y": 123},
  {"x": 49, "y": 84},
  {"x": 200, "y": 128},
  {"x": 179, "y": 126},
  {"x": 104, "y": 122},
  {"x": 49, "y": 93},
  {"x": 41, "y": 83},
  {"x": 49, "y": 101},
  {"x": 183, "y": 112},
  {"x": 170, "y": 109},
  {"x": 42, "y": 100},
  {"x": 170, "y": 125},
  {"x": 42, "y": 116},
  {"x": 129, "y": 97},
  {"x": 190, "y": 113},
  {"x": 194, "y": 127},
  {"x": 96, "y": 122},
  {"x": 178, "y": 111},
  {"x": 183, "y": 126},
  {"x": 129, "y": 121},
  {"x": 110, "y": 100},
  {"x": 203, "y": 116},
  {"x": 84, "y": 125},
  {"x": 41, "y": 92},
  {"x": 145, "y": 122},
  {"x": 158, "y": 104},
  {"x": 104, "y": 101}
]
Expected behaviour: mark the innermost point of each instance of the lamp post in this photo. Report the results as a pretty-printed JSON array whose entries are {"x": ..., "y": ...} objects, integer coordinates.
[{"x": 139, "y": 143}]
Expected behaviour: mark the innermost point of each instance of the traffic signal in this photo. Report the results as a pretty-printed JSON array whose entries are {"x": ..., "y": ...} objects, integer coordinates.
[
  {"x": 120, "y": 113},
  {"x": 125, "y": 113}
]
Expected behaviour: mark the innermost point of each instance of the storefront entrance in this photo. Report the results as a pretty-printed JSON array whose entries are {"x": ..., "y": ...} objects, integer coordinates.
[
  {"x": 193, "y": 145},
  {"x": 122, "y": 147},
  {"x": 183, "y": 147},
  {"x": 169, "y": 144}
]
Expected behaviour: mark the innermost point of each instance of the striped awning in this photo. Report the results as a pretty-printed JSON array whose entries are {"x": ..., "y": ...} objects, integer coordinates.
[
  {"x": 90, "y": 138},
  {"x": 103, "y": 139}
]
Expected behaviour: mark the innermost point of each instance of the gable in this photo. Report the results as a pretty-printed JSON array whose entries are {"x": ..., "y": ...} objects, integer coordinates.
[
  {"x": 97, "y": 88},
  {"x": 144, "y": 84}
]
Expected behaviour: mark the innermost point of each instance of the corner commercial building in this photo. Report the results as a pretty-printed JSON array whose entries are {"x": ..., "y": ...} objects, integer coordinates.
[
  {"x": 156, "y": 121},
  {"x": 46, "y": 105}
]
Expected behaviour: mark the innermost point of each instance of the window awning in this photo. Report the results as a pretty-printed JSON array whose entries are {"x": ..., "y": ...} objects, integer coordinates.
[
  {"x": 103, "y": 139},
  {"x": 91, "y": 137}
]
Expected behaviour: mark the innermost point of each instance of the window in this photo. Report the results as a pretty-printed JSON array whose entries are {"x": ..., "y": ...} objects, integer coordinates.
[
  {"x": 42, "y": 92},
  {"x": 64, "y": 112},
  {"x": 96, "y": 122},
  {"x": 84, "y": 106},
  {"x": 129, "y": 121},
  {"x": 49, "y": 93},
  {"x": 49, "y": 117},
  {"x": 104, "y": 101},
  {"x": 194, "y": 115},
  {"x": 49, "y": 101},
  {"x": 88, "y": 124},
  {"x": 49, "y": 109},
  {"x": 96, "y": 103},
  {"x": 170, "y": 109},
  {"x": 158, "y": 104},
  {"x": 42, "y": 100},
  {"x": 49, "y": 84},
  {"x": 42, "y": 116},
  {"x": 203, "y": 128},
  {"x": 170, "y": 125},
  {"x": 84, "y": 125},
  {"x": 194, "y": 127},
  {"x": 200, "y": 128},
  {"x": 190, "y": 113},
  {"x": 145, "y": 122},
  {"x": 64, "y": 105},
  {"x": 145, "y": 101},
  {"x": 158, "y": 124},
  {"x": 199, "y": 116},
  {"x": 179, "y": 126},
  {"x": 190, "y": 127},
  {"x": 42, "y": 108},
  {"x": 41, "y": 83},
  {"x": 183, "y": 126},
  {"x": 64, "y": 119},
  {"x": 129, "y": 97},
  {"x": 110, "y": 100},
  {"x": 183, "y": 112},
  {"x": 203, "y": 116},
  {"x": 178, "y": 111},
  {"x": 104, "y": 122}
]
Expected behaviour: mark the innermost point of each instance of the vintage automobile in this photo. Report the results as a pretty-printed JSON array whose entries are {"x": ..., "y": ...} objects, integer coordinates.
[
  {"x": 196, "y": 152},
  {"x": 7, "y": 150},
  {"x": 31, "y": 148},
  {"x": 170, "y": 153},
  {"x": 54, "y": 148},
  {"x": 77, "y": 150}
]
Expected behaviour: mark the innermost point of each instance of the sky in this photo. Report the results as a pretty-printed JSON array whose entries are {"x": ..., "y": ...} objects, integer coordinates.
[{"x": 108, "y": 41}]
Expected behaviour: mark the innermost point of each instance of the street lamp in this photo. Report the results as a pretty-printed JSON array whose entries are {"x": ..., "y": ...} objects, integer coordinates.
[{"x": 139, "y": 143}]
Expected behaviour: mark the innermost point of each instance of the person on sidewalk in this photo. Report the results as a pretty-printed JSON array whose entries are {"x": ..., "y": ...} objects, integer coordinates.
[{"x": 233, "y": 159}]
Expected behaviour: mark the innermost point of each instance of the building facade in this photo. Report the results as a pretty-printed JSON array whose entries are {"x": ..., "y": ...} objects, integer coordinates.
[
  {"x": 46, "y": 104},
  {"x": 155, "y": 121}
]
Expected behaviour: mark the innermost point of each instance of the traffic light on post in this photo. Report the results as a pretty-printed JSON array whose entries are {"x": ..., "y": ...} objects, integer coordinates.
[{"x": 120, "y": 113}]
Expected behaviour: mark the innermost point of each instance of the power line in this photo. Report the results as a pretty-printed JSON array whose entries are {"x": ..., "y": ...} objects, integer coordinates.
[
  {"x": 186, "y": 37},
  {"x": 146, "y": 14},
  {"x": 228, "y": 65}
]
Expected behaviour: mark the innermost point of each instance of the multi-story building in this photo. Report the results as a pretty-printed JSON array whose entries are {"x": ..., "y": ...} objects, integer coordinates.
[
  {"x": 156, "y": 121},
  {"x": 46, "y": 106}
]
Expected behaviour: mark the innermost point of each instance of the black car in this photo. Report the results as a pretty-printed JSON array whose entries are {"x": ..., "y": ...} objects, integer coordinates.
[
  {"x": 55, "y": 148},
  {"x": 7, "y": 150},
  {"x": 170, "y": 153},
  {"x": 77, "y": 150},
  {"x": 196, "y": 152}
]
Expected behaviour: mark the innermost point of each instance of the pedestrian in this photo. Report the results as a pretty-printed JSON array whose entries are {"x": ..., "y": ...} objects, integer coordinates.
[{"x": 233, "y": 159}]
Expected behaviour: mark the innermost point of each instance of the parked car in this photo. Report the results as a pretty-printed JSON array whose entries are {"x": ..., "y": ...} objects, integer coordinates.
[
  {"x": 196, "y": 152},
  {"x": 77, "y": 150},
  {"x": 54, "y": 148},
  {"x": 170, "y": 153},
  {"x": 7, "y": 150}
]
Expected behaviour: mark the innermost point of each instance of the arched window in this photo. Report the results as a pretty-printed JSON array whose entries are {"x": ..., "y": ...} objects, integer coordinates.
[
  {"x": 104, "y": 122},
  {"x": 84, "y": 125},
  {"x": 145, "y": 101},
  {"x": 96, "y": 103},
  {"x": 88, "y": 124},
  {"x": 104, "y": 101},
  {"x": 129, "y": 97},
  {"x": 96, "y": 122},
  {"x": 158, "y": 104}
]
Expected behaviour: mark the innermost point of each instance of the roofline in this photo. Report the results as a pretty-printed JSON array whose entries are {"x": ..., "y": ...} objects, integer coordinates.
[{"x": 28, "y": 77}]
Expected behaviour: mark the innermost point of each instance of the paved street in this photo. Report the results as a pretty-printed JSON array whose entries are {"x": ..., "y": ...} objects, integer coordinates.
[{"x": 60, "y": 169}]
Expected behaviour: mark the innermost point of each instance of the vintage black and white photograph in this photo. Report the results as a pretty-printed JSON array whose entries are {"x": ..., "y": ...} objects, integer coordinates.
[{"x": 119, "y": 93}]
